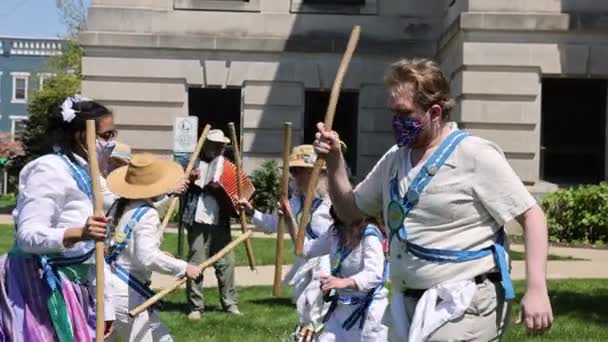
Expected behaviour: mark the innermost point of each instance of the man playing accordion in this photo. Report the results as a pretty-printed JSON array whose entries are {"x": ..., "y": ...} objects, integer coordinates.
[{"x": 207, "y": 220}]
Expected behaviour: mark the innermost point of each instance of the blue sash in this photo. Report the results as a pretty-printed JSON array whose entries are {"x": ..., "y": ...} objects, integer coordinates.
[
  {"x": 363, "y": 303},
  {"x": 399, "y": 208},
  {"x": 118, "y": 245},
  {"x": 316, "y": 203},
  {"x": 81, "y": 176}
]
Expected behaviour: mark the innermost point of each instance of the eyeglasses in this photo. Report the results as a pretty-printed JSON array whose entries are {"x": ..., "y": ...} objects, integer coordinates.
[{"x": 108, "y": 135}]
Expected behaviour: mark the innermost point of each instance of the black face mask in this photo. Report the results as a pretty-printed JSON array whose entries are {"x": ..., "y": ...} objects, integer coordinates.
[
  {"x": 206, "y": 158},
  {"x": 210, "y": 153}
]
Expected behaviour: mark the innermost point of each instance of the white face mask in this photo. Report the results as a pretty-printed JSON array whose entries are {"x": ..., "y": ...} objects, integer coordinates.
[{"x": 104, "y": 151}]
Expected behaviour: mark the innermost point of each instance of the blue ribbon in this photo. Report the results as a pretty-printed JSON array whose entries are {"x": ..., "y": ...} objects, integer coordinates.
[
  {"x": 81, "y": 175},
  {"x": 424, "y": 176},
  {"x": 117, "y": 247},
  {"x": 316, "y": 203}
]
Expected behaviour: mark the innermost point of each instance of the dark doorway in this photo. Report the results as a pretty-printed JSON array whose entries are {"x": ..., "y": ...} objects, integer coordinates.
[
  {"x": 573, "y": 130},
  {"x": 345, "y": 121},
  {"x": 216, "y": 107}
]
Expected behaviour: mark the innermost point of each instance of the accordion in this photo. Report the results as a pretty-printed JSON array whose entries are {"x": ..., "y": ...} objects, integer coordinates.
[{"x": 224, "y": 188}]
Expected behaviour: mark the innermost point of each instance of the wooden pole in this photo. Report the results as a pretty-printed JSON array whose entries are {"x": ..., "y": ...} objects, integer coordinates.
[
  {"x": 154, "y": 299},
  {"x": 97, "y": 211},
  {"x": 239, "y": 187},
  {"x": 278, "y": 260},
  {"x": 191, "y": 163},
  {"x": 329, "y": 120}
]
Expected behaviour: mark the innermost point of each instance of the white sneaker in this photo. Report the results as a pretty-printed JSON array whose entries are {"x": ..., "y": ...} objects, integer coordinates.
[
  {"x": 194, "y": 315},
  {"x": 234, "y": 310}
]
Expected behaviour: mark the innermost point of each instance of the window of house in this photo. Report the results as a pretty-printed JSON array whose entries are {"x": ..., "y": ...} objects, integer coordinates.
[
  {"x": 345, "y": 121},
  {"x": 18, "y": 123},
  {"x": 42, "y": 78},
  {"x": 20, "y": 87}
]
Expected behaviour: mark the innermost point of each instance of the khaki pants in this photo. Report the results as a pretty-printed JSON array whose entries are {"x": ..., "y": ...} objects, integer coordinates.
[
  {"x": 485, "y": 320},
  {"x": 204, "y": 241}
]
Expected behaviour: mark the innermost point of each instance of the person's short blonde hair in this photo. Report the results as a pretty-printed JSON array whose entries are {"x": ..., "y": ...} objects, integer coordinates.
[{"x": 430, "y": 85}]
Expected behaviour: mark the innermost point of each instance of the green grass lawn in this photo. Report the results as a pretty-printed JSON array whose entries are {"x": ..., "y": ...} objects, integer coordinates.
[
  {"x": 580, "y": 310},
  {"x": 8, "y": 200},
  {"x": 263, "y": 248}
]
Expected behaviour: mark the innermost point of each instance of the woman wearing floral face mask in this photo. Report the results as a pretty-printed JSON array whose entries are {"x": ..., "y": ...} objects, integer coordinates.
[
  {"x": 47, "y": 279},
  {"x": 105, "y": 143},
  {"x": 445, "y": 196}
]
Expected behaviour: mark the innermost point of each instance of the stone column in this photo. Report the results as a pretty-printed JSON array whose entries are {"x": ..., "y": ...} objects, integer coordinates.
[{"x": 266, "y": 106}]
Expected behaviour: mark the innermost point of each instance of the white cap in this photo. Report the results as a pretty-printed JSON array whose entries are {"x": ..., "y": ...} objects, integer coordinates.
[{"x": 216, "y": 135}]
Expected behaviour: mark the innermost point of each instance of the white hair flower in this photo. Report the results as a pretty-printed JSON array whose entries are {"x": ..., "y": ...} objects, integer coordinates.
[{"x": 67, "y": 111}]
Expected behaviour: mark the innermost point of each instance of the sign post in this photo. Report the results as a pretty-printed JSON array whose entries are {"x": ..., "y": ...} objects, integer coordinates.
[{"x": 185, "y": 137}]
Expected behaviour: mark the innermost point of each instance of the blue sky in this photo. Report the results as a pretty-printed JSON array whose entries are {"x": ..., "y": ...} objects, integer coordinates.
[{"x": 30, "y": 18}]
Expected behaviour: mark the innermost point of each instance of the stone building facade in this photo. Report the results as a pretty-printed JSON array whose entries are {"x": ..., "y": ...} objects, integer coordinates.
[{"x": 518, "y": 68}]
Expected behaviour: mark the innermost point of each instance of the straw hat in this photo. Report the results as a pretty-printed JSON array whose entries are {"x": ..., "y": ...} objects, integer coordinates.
[
  {"x": 122, "y": 152},
  {"x": 217, "y": 135},
  {"x": 305, "y": 156},
  {"x": 146, "y": 176}
]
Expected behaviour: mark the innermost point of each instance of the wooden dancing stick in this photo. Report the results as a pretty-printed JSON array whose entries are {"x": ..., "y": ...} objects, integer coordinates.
[
  {"x": 154, "y": 299},
  {"x": 239, "y": 189},
  {"x": 329, "y": 120},
  {"x": 278, "y": 260},
  {"x": 97, "y": 211},
  {"x": 193, "y": 159}
]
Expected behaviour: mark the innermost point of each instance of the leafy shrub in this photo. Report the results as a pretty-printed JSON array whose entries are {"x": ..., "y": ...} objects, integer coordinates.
[
  {"x": 266, "y": 180},
  {"x": 578, "y": 214}
]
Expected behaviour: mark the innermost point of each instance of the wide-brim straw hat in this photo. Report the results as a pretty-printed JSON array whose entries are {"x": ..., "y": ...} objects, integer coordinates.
[
  {"x": 304, "y": 156},
  {"x": 217, "y": 135},
  {"x": 122, "y": 152},
  {"x": 146, "y": 176}
]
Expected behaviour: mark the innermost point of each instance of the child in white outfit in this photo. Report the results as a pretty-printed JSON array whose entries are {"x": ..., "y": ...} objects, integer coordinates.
[
  {"x": 305, "y": 273},
  {"x": 134, "y": 252},
  {"x": 355, "y": 287}
]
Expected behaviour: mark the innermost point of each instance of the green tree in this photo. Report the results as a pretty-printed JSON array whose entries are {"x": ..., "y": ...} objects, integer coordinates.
[{"x": 267, "y": 182}]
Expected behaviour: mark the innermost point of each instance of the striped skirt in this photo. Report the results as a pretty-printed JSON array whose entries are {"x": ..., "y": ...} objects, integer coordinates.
[{"x": 24, "y": 316}]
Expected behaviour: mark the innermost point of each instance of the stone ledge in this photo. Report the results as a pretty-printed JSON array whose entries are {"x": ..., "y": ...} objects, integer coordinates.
[
  {"x": 369, "y": 8},
  {"x": 218, "y": 5},
  {"x": 367, "y": 46},
  {"x": 525, "y": 6},
  {"x": 514, "y": 21}
]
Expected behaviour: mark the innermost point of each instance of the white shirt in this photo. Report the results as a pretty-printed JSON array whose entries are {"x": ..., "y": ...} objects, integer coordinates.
[
  {"x": 320, "y": 222},
  {"x": 464, "y": 207},
  {"x": 142, "y": 255},
  {"x": 364, "y": 264},
  {"x": 207, "y": 209},
  {"x": 50, "y": 202}
]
